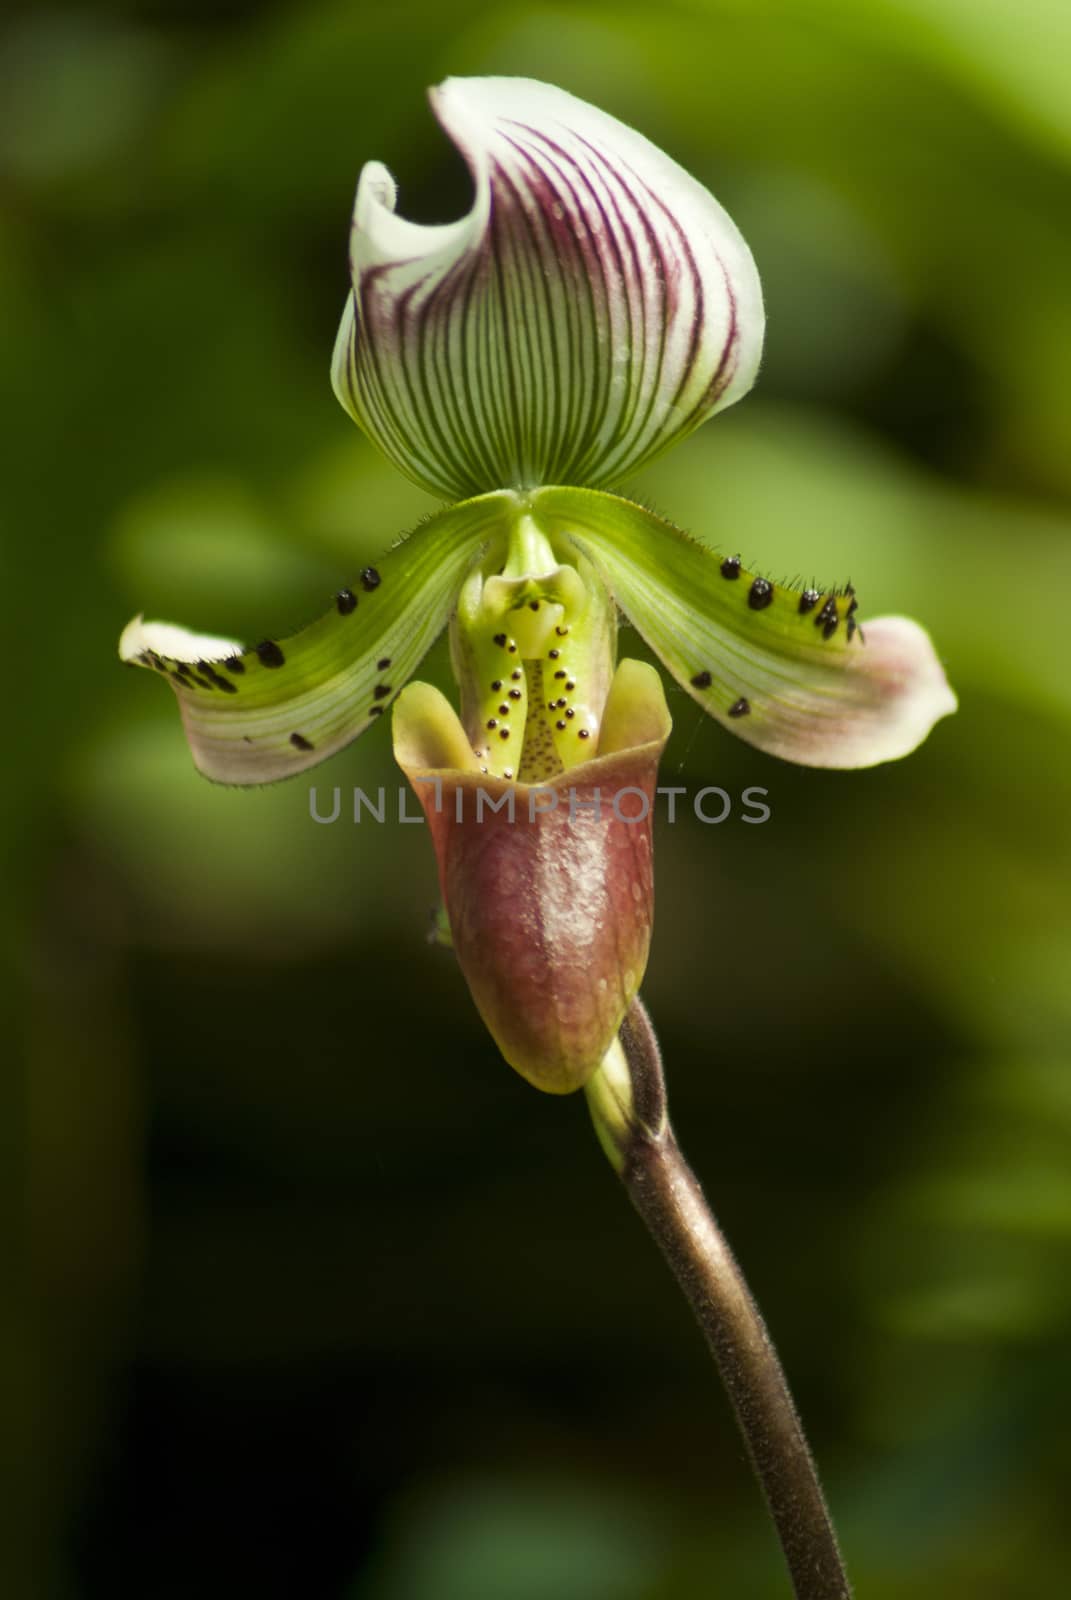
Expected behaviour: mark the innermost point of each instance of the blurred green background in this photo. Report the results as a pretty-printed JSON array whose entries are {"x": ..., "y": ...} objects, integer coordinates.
[{"x": 320, "y": 1299}]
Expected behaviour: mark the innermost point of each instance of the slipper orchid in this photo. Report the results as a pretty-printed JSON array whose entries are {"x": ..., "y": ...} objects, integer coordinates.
[{"x": 594, "y": 306}]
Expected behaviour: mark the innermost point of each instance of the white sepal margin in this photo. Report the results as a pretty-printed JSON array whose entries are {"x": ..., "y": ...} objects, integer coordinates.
[
  {"x": 595, "y": 304},
  {"x": 140, "y": 638}
]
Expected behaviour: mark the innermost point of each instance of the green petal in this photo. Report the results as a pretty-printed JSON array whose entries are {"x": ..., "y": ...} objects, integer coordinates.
[
  {"x": 789, "y": 671},
  {"x": 256, "y": 715}
]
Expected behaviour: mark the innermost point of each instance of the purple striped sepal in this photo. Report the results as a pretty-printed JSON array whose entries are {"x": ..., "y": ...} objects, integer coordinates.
[{"x": 595, "y": 305}]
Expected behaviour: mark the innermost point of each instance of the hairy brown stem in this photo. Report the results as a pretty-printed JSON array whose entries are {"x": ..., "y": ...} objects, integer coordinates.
[{"x": 630, "y": 1114}]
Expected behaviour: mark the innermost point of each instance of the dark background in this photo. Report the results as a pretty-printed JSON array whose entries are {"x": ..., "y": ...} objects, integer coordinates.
[{"x": 323, "y": 1300}]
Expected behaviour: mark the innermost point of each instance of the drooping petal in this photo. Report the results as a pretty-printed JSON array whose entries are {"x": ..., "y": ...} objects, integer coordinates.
[
  {"x": 790, "y": 671},
  {"x": 548, "y": 888},
  {"x": 595, "y": 304},
  {"x": 268, "y": 712}
]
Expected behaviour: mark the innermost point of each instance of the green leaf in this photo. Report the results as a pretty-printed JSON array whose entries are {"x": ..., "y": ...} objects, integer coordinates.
[
  {"x": 254, "y": 715},
  {"x": 788, "y": 670}
]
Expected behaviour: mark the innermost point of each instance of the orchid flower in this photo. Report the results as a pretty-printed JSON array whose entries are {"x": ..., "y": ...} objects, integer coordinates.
[{"x": 594, "y": 306}]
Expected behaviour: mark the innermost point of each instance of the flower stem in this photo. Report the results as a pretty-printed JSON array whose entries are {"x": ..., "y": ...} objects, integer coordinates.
[{"x": 628, "y": 1107}]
